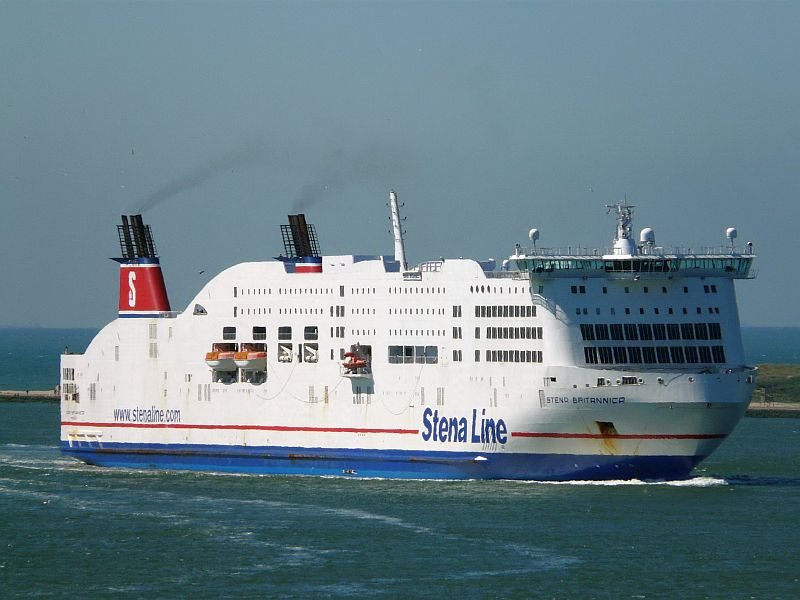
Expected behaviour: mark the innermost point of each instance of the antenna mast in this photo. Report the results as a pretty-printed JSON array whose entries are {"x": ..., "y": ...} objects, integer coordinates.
[
  {"x": 397, "y": 230},
  {"x": 623, "y": 242}
]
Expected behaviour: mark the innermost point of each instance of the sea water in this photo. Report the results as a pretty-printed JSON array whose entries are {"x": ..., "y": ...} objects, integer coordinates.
[
  {"x": 29, "y": 356},
  {"x": 71, "y": 529},
  {"x": 66, "y": 528}
]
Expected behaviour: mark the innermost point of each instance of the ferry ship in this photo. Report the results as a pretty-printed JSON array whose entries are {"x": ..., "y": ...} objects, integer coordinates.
[{"x": 560, "y": 365}]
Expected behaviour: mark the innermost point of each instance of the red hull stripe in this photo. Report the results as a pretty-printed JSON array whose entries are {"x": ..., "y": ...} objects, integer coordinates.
[
  {"x": 239, "y": 427},
  {"x": 524, "y": 434},
  {"x": 620, "y": 436}
]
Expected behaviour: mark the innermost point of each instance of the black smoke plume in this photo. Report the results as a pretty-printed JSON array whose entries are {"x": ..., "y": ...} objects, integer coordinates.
[
  {"x": 246, "y": 154},
  {"x": 342, "y": 168}
]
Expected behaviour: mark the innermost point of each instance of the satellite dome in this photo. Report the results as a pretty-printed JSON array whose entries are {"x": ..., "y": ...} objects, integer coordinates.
[
  {"x": 533, "y": 234},
  {"x": 647, "y": 236},
  {"x": 731, "y": 233}
]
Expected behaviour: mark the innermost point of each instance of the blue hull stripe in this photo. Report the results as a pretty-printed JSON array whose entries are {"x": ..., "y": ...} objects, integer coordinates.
[{"x": 402, "y": 464}]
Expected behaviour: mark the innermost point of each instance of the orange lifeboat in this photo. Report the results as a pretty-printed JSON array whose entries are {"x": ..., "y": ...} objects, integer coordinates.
[
  {"x": 221, "y": 361},
  {"x": 353, "y": 362},
  {"x": 251, "y": 360},
  {"x": 212, "y": 359},
  {"x": 226, "y": 361}
]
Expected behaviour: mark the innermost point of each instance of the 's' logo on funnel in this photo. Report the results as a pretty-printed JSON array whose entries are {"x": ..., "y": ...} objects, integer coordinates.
[{"x": 132, "y": 289}]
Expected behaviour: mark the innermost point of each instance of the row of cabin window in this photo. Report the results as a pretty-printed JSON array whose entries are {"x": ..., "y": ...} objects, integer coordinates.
[
  {"x": 505, "y": 356},
  {"x": 510, "y": 333},
  {"x": 487, "y": 289},
  {"x": 310, "y": 332},
  {"x": 647, "y": 331},
  {"x": 258, "y": 310},
  {"x": 430, "y": 355},
  {"x": 413, "y": 354},
  {"x": 416, "y": 290},
  {"x": 430, "y": 332},
  {"x": 505, "y": 311},
  {"x": 581, "y": 289},
  {"x": 280, "y": 291},
  {"x": 413, "y": 311},
  {"x": 712, "y": 310},
  {"x": 609, "y": 355}
]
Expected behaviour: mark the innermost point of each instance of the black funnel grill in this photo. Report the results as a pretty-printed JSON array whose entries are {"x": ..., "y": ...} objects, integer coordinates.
[
  {"x": 299, "y": 238},
  {"x": 135, "y": 238}
]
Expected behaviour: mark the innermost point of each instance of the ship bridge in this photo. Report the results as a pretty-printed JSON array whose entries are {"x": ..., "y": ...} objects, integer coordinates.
[
  {"x": 544, "y": 264},
  {"x": 629, "y": 260}
]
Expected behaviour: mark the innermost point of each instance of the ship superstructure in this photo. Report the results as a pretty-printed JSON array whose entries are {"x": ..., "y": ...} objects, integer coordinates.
[{"x": 563, "y": 364}]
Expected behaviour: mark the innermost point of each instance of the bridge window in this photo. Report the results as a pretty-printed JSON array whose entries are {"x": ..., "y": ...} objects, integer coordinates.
[
  {"x": 719, "y": 354},
  {"x": 649, "y": 354},
  {"x": 635, "y": 355},
  {"x": 590, "y": 354},
  {"x": 705, "y": 354},
  {"x": 691, "y": 354},
  {"x": 606, "y": 355},
  {"x": 620, "y": 354},
  {"x": 676, "y": 353}
]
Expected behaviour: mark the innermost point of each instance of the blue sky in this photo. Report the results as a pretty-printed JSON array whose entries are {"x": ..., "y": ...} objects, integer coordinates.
[{"x": 487, "y": 118}]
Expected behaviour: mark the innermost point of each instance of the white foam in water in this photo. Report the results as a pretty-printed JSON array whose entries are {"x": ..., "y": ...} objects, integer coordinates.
[
  {"x": 367, "y": 516},
  {"x": 693, "y": 482},
  {"x": 698, "y": 482}
]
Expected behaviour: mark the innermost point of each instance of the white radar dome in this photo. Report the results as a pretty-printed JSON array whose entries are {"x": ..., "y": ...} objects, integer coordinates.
[
  {"x": 647, "y": 236},
  {"x": 731, "y": 233},
  {"x": 533, "y": 234}
]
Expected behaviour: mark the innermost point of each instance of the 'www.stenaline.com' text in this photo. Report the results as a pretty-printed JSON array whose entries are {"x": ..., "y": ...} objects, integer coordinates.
[{"x": 146, "y": 415}]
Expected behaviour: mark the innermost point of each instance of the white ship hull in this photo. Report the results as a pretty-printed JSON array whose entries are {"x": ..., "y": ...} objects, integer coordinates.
[{"x": 445, "y": 371}]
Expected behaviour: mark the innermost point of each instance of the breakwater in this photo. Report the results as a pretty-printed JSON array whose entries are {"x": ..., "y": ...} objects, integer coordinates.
[{"x": 29, "y": 395}]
